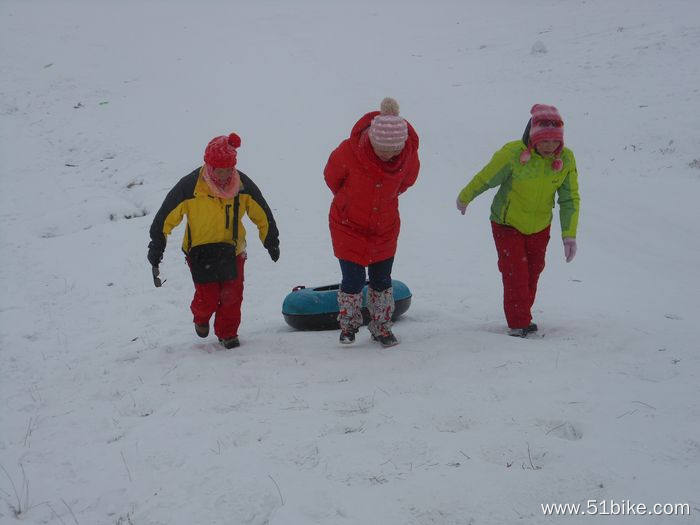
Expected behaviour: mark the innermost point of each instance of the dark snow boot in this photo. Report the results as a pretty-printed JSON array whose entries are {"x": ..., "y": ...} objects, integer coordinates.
[
  {"x": 518, "y": 332},
  {"x": 386, "y": 340},
  {"x": 231, "y": 342},
  {"x": 347, "y": 336},
  {"x": 201, "y": 329},
  {"x": 532, "y": 327}
]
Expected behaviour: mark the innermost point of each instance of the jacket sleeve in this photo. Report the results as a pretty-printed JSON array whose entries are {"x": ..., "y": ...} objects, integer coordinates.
[
  {"x": 261, "y": 214},
  {"x": 493, "y": 174},
  {"x": 411, "y": 176},
  {"x": 336, "y": 172},
  {"x": 569, "y": 200},
  {"x": 171, "y": 211}
]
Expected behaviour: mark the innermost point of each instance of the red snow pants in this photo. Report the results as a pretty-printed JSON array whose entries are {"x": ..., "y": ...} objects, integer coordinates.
[
  {"x": 222, "y": 298},
  {"x": 520, "y": 260}
]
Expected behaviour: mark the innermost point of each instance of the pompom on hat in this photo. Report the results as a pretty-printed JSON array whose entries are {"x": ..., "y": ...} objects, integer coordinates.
[
  {"x": 221, "y": 151},
  {"x": 388, "y": 131},
  {"x": 545, "y": 124}
]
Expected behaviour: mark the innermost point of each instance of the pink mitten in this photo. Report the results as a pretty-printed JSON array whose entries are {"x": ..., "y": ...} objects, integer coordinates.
[
  {"x": 569, "y": 248},
  {"x": 461, "y": 206}
]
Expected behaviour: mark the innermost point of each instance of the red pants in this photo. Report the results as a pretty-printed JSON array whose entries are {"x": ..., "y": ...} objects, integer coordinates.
[
  {"x": 520, "y": 260},
  {"x": 223, "y": 298}
]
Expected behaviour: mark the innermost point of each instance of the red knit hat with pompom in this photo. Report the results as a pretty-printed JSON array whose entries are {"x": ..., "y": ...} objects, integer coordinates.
[
  {"x": 545, "y": 124},
  {"x": 221, "y": 151}
]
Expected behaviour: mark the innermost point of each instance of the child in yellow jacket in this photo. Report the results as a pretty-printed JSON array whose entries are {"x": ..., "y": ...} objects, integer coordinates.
[{"x": 214, "y": 197}]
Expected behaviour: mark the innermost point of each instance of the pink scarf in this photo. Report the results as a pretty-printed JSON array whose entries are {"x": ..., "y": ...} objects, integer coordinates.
[{"x": 226, "y": 190}]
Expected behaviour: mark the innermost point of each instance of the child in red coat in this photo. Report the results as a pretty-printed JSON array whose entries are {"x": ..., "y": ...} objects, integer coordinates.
[{"x": 366, "y": 173}]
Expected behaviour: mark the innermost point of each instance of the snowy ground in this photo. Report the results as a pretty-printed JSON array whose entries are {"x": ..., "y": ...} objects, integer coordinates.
[{"x": 113, "y": 412}]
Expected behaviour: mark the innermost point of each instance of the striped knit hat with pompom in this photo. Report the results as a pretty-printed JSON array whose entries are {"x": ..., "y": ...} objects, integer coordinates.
[
  {"x": 388, "y": 131},
  {"x": 545, "y": 124}
]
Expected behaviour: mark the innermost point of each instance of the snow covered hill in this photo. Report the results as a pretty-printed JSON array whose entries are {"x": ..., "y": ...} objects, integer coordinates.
[{"x": 113, "y": 412}]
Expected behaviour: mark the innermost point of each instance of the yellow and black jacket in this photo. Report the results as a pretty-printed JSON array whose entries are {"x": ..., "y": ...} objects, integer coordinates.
[{"x": 213, "y": 223}]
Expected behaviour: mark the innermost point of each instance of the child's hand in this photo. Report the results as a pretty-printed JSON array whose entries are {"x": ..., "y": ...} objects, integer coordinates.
[
  {"x": 156, "y": 277},
  {"x": 461, "y": 206},
  {"x": 569, "y": 248}
]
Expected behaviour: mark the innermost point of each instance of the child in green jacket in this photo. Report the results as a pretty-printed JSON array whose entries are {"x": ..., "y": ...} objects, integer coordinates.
[{"x": 529, "y": 172}]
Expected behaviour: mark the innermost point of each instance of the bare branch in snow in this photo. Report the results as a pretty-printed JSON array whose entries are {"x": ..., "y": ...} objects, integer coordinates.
[
  {"x": 127, "y": 466},
  {"x": 278, "y": 489}
]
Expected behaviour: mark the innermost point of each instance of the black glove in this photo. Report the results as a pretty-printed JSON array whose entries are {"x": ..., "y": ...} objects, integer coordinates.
[
  {"x": 274, "y": 252},
  {"x": 156, "y": 277},
  {"x": 154, "y": 256}
]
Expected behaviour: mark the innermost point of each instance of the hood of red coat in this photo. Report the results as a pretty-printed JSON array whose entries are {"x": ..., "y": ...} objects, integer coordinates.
[{"x": 362, "y": 126}]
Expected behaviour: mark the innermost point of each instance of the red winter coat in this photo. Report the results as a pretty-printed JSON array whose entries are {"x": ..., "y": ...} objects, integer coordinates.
[{"x": 364, "y": 216}]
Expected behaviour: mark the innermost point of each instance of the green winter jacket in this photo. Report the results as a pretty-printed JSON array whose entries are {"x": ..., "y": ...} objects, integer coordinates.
[{"x": 526, "y": 195}]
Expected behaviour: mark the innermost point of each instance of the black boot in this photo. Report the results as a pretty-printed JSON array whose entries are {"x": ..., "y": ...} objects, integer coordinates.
[
  {"x": 231, "y": 342},
  {"x": 347, "y": 337},
  {"x": 532, "y": 327},
  {"x": 386, "y": 340},
  {"x": 518, "y": 332},
  {"x": 201, "y": 329}
]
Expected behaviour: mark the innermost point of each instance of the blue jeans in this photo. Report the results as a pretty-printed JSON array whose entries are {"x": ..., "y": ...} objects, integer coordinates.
[{"x": 354, "y": 275}]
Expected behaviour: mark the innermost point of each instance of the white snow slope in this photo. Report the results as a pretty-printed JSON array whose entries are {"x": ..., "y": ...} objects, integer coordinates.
[{"x": 113, "y": 412}]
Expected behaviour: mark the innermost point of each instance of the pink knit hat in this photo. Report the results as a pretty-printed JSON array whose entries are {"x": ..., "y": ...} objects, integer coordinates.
[
  {"x": 388, "y": 131},
  {"x": 545, "y": 124}
]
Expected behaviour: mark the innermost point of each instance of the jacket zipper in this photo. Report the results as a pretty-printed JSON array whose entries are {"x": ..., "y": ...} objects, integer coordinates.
[{"x": 539, "y": 196}]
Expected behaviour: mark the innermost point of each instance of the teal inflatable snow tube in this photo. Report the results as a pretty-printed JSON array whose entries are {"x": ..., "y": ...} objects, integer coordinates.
[{"x": 317, "y": 308}]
